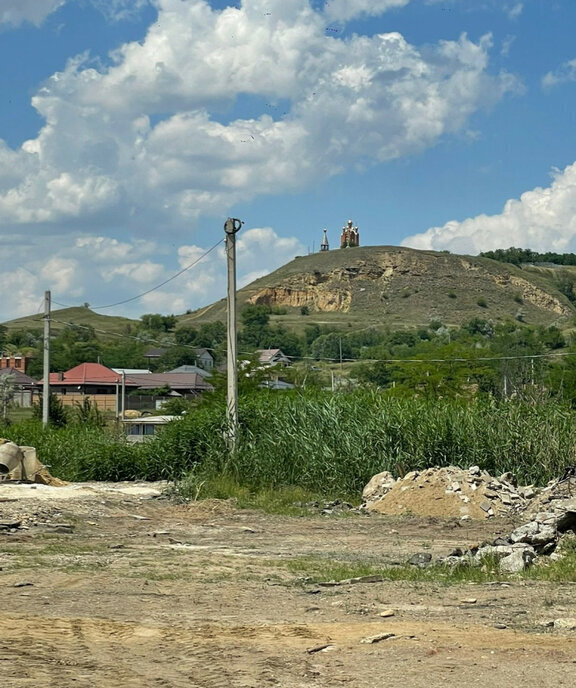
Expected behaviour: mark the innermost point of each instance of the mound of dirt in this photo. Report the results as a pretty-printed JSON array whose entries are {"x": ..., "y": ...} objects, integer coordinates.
[{"x": 452, "y": 492}]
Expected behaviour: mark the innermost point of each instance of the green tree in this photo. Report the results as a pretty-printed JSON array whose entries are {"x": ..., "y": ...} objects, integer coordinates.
[
  {"x": 155, "y": 322},
  {"x": 185, "y": 335},
  {"x": 255, "y": 325},
  {"x": 379, "y": 373}
]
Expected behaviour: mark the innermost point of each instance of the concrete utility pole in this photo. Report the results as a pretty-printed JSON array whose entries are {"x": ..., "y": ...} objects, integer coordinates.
[
  {"x": 123, "y": 410},
  {"x": 232, "y": 226},
  {"x": 46, "y": 362}
]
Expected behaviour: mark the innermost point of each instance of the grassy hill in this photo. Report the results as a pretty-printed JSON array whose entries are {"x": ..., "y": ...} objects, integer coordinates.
[
  {"x": 377, "y": 286},
  {"x": 401, "y": 287},
  {"x": 103, "y": 324}
]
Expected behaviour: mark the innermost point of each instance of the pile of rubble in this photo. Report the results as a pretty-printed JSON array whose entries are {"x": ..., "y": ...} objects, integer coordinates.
[
  {"x": 557, "y": 490},
  {"x": 447, "y": 492},
  {"x": 549, "y": 534}
]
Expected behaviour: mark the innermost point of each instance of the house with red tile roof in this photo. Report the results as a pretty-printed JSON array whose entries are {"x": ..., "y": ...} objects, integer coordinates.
[{"x": 103, "y": 386}]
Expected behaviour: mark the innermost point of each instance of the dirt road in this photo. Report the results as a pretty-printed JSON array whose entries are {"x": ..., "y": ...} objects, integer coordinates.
[{"x": 110, "y": 588}]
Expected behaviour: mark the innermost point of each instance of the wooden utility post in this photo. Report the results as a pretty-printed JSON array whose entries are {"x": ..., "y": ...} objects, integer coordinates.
[
  {"x": 46, "y": 362},
  {"x": 232, "y": 226}
]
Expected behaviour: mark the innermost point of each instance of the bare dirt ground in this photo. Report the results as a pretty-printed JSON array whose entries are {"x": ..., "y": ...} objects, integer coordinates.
[{"x": 108, "y": 586}]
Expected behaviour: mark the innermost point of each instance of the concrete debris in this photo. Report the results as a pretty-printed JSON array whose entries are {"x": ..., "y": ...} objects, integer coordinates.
[
  {"x": 387, "y": 613},
  {"x": 19, "y": 463},
  {"x": 377, "y": 638},
  {"x": 446, "y": 492},
  {"x": 516, "y": 562},
  {"x": 565, "y": 624},
  {"x": 420, "y": 559},
  {"x": 378, "y": 486},
  {"x": 351, "y": 581},
  {"x": 548, "y": 536}
]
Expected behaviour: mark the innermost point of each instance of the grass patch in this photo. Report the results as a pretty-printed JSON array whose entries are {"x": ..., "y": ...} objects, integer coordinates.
[
  {"x": 318, "y": 570},
  {"x": 72, "y": 549},
  {"x": 321, "y": 570},
  {"x": 286, "y": 501}
]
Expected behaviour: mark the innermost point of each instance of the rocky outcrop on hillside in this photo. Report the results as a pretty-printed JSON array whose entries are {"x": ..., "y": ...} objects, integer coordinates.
[{"x": 405, "y": 286}]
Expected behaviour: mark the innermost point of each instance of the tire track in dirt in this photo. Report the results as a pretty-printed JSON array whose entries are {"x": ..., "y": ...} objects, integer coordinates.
[
  {"x": 61, "y": 653},
  {"x": 64, "y": 652}
]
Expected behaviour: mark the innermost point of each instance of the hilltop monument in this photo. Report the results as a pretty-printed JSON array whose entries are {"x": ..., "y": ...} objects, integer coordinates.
[
  {"x": 324, "y": 246},
  {"x": 350, "y": 236}
]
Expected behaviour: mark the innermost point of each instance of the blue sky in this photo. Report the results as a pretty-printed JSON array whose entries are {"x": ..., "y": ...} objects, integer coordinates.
[{"x": 130, "y": 129}]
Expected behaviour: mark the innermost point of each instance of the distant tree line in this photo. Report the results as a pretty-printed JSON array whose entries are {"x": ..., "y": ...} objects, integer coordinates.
[
  {"x": 517, "y": 256},
  {"x": 480, "y": 356}
]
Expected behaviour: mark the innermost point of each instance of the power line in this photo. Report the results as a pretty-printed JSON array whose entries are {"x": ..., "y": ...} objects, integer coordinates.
[{"x": 148, "y": 291}]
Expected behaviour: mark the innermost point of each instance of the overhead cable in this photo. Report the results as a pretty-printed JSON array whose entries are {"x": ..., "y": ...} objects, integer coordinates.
[{"x": 148, "y": 291}]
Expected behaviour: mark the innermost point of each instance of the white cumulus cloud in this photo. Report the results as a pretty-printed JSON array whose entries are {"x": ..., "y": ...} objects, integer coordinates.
[
  {"x": 142, "y": 140},
  {"x": 136, "y": 148},
  {"x": 104, "y": 271},
  {"x": 16, "y": 12},
  {"x": 344, "y": 10},
  {"x": 565, "y": 73},
  {"x": 541, "y": 219}
]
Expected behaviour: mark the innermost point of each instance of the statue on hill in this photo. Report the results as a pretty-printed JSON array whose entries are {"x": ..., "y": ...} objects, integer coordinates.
[
  {"x": 324, "y": 246},
  {"x": 350, "y": 236}
]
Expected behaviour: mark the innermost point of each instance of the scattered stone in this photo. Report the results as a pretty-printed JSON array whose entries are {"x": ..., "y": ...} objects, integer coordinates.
[
  {"x": 500, "y": 626},
  {"x": 378, "y": 486},
  {"x": 565, "y": 624},
  {"x": 352, "y": 581},
  {"x": 23, "y": 584},
  {"x": 387, "y": 613},
  {"x": 470, "y": 600},
  {"x": 534, "y": 533},
  {"x": 377, "y": 638},
  {"x": 319, "y": 648},
  {"x": 517, "y": 561},
  {"x": 420, "y": 559},
  {"x": 501, "y": 542}
]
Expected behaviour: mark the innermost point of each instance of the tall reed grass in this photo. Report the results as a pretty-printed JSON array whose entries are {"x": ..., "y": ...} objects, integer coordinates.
[
  {"x": 333, "y": 444},
  {"x": 323, "y": 443}
]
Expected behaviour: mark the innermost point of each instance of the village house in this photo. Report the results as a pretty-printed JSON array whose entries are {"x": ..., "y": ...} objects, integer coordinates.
[
  {"x": 14, "y": 362},
  {"x": 272, "y": 357},
  {"x": 111, "y": 391},
  {"x": 26, "y": 390}
]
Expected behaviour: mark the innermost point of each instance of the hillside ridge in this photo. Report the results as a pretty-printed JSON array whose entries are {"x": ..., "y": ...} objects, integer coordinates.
[{"x": 377, "y": 286}]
